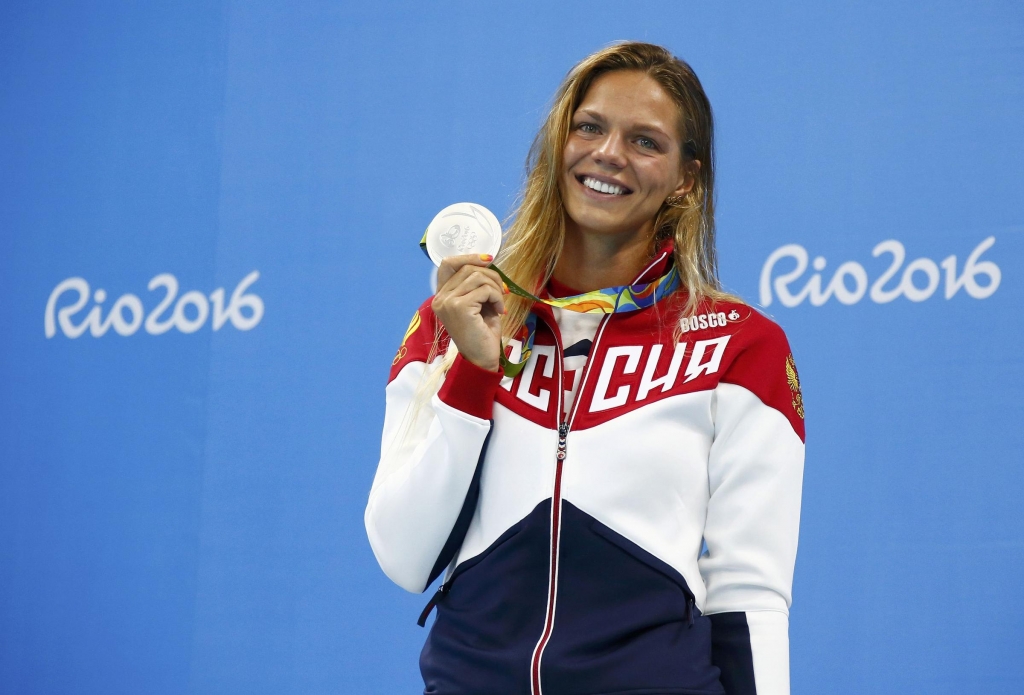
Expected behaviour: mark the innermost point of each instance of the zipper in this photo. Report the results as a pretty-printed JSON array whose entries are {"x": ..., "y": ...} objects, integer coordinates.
[
  {"x": 438, "y": 596},
  {"x": 564, "y": 425},
  {"x": 561, "y": 452},
  {"x": 563, "y": 432}
]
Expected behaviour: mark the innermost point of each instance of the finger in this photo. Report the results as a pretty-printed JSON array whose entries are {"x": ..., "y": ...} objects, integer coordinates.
[
  {"x": 485, "y": 299},
  {"x": 471, "y": 277},
  {"x": 450, "y": 265},
  {"x": 468, "y": 279},
  {"x": 453, "y": 264},
  {"x": 466, "y": 271}
]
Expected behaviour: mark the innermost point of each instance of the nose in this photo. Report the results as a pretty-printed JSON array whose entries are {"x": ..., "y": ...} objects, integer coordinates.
[{"x": 611, "y": 151}]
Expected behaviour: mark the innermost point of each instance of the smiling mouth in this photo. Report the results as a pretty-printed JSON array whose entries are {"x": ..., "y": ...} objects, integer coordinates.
[{"x": 609, "y": 189}]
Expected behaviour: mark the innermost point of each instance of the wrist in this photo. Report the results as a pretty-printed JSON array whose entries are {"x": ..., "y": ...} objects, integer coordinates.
[
  {"x": 470, "y": 388},
  {"x": 491, "y": 365}
]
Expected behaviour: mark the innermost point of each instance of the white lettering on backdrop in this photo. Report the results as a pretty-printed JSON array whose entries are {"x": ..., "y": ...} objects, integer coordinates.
[
  {"x": 849, "y": 283},
  {"x": 127, "y": 314}
]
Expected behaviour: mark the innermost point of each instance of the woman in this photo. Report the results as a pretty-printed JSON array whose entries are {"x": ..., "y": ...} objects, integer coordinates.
[{"x": 570, "y": 503}]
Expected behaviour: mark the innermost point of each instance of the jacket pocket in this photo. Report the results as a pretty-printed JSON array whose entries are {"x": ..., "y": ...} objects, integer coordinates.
[{"x": 640, "y": 555}]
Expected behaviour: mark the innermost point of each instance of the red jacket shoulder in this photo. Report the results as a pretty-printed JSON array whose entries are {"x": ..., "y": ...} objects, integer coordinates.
[{"x": 763, "y": 362}]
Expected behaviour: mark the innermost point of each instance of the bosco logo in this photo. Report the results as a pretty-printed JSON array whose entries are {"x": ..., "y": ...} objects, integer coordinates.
[
  {"x": 702, "y": 321},
  {"x": 244, "y": 310},
  {"x": 919, "y": 280}
]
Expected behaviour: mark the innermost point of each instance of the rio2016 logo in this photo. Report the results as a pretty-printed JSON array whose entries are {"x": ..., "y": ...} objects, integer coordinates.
[
  {"x": 244, "y": 309},
  {"x": 919, "y": 280}
]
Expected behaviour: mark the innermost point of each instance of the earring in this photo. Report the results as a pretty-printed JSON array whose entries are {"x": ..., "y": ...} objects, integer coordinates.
[{"x": 676, "y": 201}]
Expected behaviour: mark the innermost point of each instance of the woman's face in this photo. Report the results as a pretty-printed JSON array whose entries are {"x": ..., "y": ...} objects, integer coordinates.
[{"x": 622, "y": 157}]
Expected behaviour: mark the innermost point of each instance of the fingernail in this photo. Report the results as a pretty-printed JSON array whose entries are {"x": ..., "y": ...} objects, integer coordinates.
[
  {"x": 486, "y": 257},
  {"x": 505, "y": 287},
  {"x": 504, "y": 310}
]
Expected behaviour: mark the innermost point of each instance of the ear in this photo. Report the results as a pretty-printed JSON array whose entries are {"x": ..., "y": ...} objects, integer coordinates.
[{"x": 687, "y": 177}]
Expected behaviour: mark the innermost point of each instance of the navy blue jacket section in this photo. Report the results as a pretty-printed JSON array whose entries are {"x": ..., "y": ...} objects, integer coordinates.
[
  {"x": 458, "y": 534},
  {"x": 624, "y": 620},
  {"x": 730, "y": 652},
  {"x": 489, "y": 622}
]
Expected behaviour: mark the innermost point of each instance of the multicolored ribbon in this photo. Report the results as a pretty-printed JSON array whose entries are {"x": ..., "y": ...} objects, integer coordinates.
[{"x": 609, "y": 300}]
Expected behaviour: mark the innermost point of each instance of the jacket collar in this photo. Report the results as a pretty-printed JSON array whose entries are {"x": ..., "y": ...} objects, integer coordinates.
[
  {"x": 659, "y": 265},
  {"x": 655, "y": 268}
]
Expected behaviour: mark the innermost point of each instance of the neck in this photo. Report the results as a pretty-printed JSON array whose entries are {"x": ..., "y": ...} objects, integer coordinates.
[{"x": 594, "y": 261}]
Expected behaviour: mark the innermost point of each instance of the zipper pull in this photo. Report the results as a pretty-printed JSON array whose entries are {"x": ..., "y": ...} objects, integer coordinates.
[
  {"x": 563, "y": 432},
  {"x": 438, "y": 596}
]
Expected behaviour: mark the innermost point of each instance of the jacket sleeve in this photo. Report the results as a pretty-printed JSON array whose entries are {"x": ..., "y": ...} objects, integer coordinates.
[
  {"x": 755, "y": 474},
  {"x": 423, "y": 493}
]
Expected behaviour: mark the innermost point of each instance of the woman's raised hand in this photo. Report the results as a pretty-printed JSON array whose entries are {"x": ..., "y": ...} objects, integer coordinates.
[{"x": 469, "y": 303}]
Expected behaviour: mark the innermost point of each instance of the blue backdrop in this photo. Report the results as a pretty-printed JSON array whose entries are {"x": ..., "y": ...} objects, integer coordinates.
[{"x": 222, "y": 200}]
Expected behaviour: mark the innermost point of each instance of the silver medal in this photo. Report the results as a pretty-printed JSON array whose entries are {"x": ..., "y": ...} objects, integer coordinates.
[{"x": 461, "y": 229}]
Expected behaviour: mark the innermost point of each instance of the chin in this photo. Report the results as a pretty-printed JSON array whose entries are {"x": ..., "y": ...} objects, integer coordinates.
[{"x": 596, "y": 219}]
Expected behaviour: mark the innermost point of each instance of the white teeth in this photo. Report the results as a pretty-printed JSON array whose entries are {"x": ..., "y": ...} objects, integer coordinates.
[{"x": 602, "y": 187}]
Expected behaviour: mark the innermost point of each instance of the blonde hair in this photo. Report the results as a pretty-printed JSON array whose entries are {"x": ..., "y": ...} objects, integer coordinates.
[{"x": 534, "y": 238}]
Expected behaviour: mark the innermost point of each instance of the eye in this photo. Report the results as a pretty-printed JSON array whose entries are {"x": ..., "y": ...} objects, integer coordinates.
[
  {"x": 587, "y": 127},
  {"x": 647, "y": 143}
]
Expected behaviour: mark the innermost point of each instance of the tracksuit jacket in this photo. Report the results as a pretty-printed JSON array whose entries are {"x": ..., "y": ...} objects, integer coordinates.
[{"x": 641, "y": 541}]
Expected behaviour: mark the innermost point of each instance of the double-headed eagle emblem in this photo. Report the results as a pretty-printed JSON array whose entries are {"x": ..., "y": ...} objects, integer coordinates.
[{"x": 794, "y": 385}]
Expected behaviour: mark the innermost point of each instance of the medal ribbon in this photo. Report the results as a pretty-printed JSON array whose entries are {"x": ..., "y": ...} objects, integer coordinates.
[{"x": 608, "y": 300}]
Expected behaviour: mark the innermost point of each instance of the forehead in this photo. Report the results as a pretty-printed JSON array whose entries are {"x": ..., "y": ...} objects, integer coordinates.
[{"x": 634, "y": 98}]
